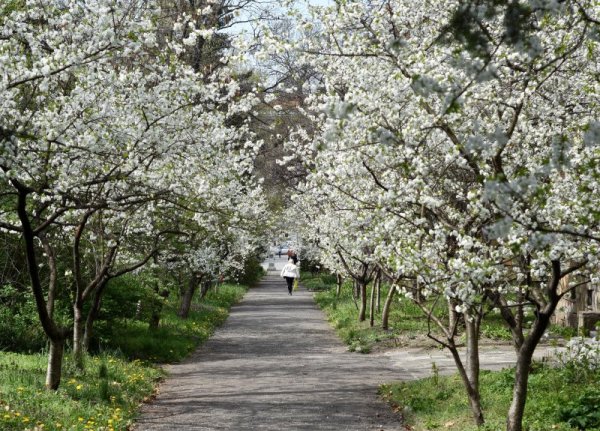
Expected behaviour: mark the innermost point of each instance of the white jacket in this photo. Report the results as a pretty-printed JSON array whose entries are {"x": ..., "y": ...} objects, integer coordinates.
[{"x": 290, "y": 270}]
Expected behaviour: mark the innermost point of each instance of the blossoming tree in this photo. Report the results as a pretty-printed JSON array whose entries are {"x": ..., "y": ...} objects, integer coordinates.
[
  {"x": 102, "y": 135},
  {"x": 470, "y": 154}
]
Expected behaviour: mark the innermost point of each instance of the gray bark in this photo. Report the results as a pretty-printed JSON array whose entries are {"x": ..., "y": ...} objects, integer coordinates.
[
  {"x": 93, "y": 315},
  {"x": 362, "y": 287},
  {"x": 372, "y": 305},
  {"x": 188, "y": 295},
  {"x": 514, "y": 421},
  {"x": 472, "y": 391},
  {"x": 452, "y": 314},
  {"x": 78, "y": 334},
  {"x": 472, "y": 371},
  {"x": 53, "y": 276},
  {"x": 339, "y": 281},
  {"x": 385, "y": 315},
  {"x": 55, "y": 358},
  {"x": 378, "y": 294}
]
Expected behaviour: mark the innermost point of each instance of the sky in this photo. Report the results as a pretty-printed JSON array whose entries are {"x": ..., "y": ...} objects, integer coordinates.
[{"x": 271, "y": 5}]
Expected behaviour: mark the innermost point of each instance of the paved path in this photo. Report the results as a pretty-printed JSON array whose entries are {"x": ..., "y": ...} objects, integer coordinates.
[
  {"x": 275, "y": 365},
  {"x": 416, "y": 363},
  {"x": 275, "y": 263}
]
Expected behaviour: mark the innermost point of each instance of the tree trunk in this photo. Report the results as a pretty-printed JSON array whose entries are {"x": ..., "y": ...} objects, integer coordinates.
[
  {"x": 79, "y": 292},
  {"x": 378, "y": 294},
  {"x": 55, "y": 358},
  {"x": 55, "y": 334},
  {"x": 452, "y": 314},
  {"x": 188, "y": 295},
  {"x": 93, "y": 315},
  {"x": 78, "y": 330},
  {"x": 520, "y": 317},
  {"x": 472, "y": 371},
  {"x": 205, "y": 287},
  {"x": 362, "y": 286},
  {"x": 53, "y": 275},
  {"x": 155, "y": 318},
  {"x": 156, "y": 309},
  {"x": 89, "y": 322},
  {"x": 472, "y": 392},
  {"x": 385, "y": 316},
  {"x": 339, "y": 281},
  {"x": 372, "y": 304},
  {"x": 514, "y": 421}
]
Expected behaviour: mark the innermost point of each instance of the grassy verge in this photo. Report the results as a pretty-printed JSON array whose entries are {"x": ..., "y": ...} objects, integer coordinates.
[
  {"x": 407, "y": 324},
  {"x": 559, "y": 399},
  {"x": 565, "y": 398},
  {"x": 107, "y": 395},
  {"x": 175, "y": 338}
]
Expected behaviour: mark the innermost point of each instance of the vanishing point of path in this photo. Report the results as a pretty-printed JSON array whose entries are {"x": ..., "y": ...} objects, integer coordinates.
[{"x": 276, "y": 364}]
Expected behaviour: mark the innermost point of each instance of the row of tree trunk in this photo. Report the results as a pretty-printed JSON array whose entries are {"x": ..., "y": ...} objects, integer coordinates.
[{"x": 360, "y": 283}]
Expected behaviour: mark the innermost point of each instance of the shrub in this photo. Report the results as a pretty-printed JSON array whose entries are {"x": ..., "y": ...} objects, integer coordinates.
[
  {"x": 584, "y": 352},
  {"x": 252, "y": 271},
  {"x": 20, "y": 329},
  {"x": 130, "y": 297},
  {"x": 584, "y": 412}
]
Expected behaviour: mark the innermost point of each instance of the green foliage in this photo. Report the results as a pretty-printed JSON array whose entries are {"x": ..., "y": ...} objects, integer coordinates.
[
  {"x": 467, "y": 26},
  {"x": 328, "y": 279},
  {"x": 565, "y": 332},
  {"x": 20, "y": 330},
  {"x": 252, "y": 272},
  {"x": 494, "y": 329},
  {"x": 407, "y": 321},
  {"x": 313, "y": 266},
  {"x": 440, "y": 403},
  {"x": 131, "y": 296},
  {"x": 584, "y": 412},
  {"x": 320, "y": 282},
  {"x": 175, "y": 338},
  {"x": 9, "y": 6}
]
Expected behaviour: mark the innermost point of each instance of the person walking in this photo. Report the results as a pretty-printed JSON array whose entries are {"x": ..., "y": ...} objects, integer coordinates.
[
  {"x": 290, "y": 272},
  {"x": 292, "y": 255}
]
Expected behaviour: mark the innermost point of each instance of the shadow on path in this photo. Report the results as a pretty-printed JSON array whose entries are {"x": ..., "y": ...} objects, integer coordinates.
[{"x": 275, "y": 365}]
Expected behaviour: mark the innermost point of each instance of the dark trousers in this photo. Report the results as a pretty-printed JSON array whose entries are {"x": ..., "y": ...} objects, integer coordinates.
[{"x": 290, "y": 283}]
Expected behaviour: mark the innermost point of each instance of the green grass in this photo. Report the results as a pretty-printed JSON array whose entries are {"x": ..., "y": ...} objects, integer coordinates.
[
  {"x": 107, "y": 395},
  {"x": 440, "y": 403},
  {"x": 407, "y": 323},
  {"x": 83, "y": 401},
  {"x": 175, "y": 338},
  {"x": 406, "y": 320},
  {"x": 318, "y": 283}
]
